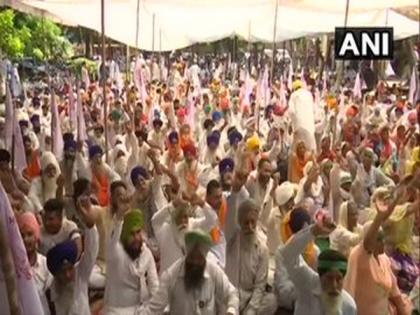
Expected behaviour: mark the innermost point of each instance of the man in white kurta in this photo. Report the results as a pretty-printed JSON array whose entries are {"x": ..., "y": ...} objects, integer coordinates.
[
  {"x": 130, "y": 280},
  {"x": 301, "y": 111},
  {"x": 194, "y": 285}
]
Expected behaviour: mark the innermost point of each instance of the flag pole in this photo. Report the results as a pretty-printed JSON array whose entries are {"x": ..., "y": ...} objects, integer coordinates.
[
  {"x": 249, "y": 46},
  {"x": 104, "y": 78},
  {"x": 137, "y": 24},
  {"x": 153, "y": 33},
  {"x": 13, "y": 123},
  {"x": 274, "y": 40}
]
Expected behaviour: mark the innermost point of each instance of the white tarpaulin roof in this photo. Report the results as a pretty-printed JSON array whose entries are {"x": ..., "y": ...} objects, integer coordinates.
[{"x": 181, "y": 23}]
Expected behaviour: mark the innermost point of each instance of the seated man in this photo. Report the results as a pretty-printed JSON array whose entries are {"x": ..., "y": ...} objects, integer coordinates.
[
  {"x": 69, "y": 291},
  {"x": 318, "y": 293},
  {"x": 56, "y": 228},
  {"x": 194, "y": 285}
]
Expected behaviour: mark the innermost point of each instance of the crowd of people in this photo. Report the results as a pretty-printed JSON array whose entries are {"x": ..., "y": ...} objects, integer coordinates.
[{"x": 193, "y": 195}]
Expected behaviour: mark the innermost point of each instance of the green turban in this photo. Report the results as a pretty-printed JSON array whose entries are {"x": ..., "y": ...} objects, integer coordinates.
[
  {"x": 133, "y": 221},
  {"x": 198, "y": 239}
]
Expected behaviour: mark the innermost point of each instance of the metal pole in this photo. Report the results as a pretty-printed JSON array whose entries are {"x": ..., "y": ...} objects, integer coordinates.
[
  {"x": 127, "y": 64},
  {"x": 249, "y": 46},
  {"x": 137, "y": 23},
  {"x": 153, "y": 33},
  {"x": 104, "y": 78},
  {"x": 274, "y": 40}
]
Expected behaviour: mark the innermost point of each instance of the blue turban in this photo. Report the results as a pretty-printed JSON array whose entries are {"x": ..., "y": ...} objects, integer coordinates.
[
  {"x": 216, "y": 116},
  {"x": 298, "y": 218},
  {"x": 213, "y": 138},
  {"x": 65, "y": 252},
  {"x": 69, "y": 144},
  {"x": 173, "y": 137},
  {"x": 35, "y": 118},
  {"x": 95, "y": 150},
  {"x": 234, "y": 137},
  {"x": 226, "y": 165},
  {"x": 137, "y": 172}
]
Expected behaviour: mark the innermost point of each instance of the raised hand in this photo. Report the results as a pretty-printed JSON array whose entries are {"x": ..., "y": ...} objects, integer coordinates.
[
  {"x": 84, "y": 206},
  {"x": 324, "y": 225}
]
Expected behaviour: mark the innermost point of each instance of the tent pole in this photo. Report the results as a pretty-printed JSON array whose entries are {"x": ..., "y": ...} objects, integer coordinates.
[
  {"x": 249, "y": 46},
  {"x": 153, "y": 33},
  {"x": 127, "y": 64},
  {"x": 274, "y": 41},
  {"x": 104, "y": 78},
  {"x": 137, "y": 24}
]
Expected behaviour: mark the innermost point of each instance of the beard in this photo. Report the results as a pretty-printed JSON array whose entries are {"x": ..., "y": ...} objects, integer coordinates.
[
  {"x": 133, "y": 250},
  {"x": 194, "y": 276},
  {"x": 332, "y": 304},
  {"x": 65, "y": 296},
  {"x": 120, "y": 166}
]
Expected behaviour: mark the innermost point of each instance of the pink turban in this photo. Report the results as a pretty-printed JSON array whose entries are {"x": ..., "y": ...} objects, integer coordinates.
[{"x": 28, "y": 219}]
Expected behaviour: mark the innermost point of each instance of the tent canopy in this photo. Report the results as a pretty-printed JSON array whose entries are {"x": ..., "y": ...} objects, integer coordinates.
[{"x": 181, "y": 23}]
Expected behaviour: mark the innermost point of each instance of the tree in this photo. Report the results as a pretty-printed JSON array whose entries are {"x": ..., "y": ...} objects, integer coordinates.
[{"x": 30, "y": 36}]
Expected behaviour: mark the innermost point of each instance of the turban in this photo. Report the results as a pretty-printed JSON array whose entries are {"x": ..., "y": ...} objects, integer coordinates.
[
  {"x": 181, "y": 113},
  {"x": 226, "y": 165},
  {"x": 213, "y": 138},
  {"x": 133, "y": 221},
  {"x": 190, "y": 149},
  {"x": 173, "y": 137},
  {"x": 216, "y": 116},
  {"x": 49, "y": 158},
  {"x": 65, "y": 252},
  {"x": 224, "y": 104},
  {"x": 297, "y": 84},
  {"x": 207, "y": 109},
  {"x": 35, "y": 118},
  {"x": 28, "y": 220},
  {"x": 253, "y": 143},
  {"x": 352, "y": 111},
  {"x": 284, "y": 193},
  {"x": 137, "y": 172},
  {"x": 198, "y": 239},
  {"x": 95, "y": 150},
  {"x": 234, "y": 137},
  {"x": 298, "y": 218},
  {"x": 325, "y": 264},
  {"x": 69, "y": 144},
  {"x": 345, "y": 178},
  {"x": 248, "y": 205}
]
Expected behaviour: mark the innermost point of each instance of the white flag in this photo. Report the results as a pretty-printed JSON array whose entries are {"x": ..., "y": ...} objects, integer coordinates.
[{"x": 56, "y": 135}]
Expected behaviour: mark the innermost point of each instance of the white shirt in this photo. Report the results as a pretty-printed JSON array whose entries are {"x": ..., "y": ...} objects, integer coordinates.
[
  {"x": 43, "y": 279},
  {"x": 84, "y": 268},
  {"x": 306, "y": 281},
  {"x": 129, "y": 283},
  {"x": 172, "y": 248},
  {"x": 69, "y": 230},
  {"x": 215, "y": 290}
]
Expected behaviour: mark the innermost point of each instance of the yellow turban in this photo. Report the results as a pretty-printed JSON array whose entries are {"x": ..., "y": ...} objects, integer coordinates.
[
  {"x": 253, "y": 143},
  {"x": 297, "y": 84}
]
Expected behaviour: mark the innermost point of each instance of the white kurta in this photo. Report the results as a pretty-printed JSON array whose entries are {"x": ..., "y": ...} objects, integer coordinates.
[
  {"x": 129, "y": 283},
  {"x": 216, "y": 291}
]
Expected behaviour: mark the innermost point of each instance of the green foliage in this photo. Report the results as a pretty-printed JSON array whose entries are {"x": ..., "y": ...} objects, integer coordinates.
[
  {"x": 77, "y": 64},
  {"x": 30, "y": 36}
]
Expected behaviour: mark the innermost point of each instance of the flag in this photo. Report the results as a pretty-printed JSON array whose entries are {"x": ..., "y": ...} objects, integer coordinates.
[
  {"x": 389, "y": 71},
  {"x": 357, "y": 89},
  {"x": 413, "y": 85},
  {"x": 72, "y": 107},
  {"x": 13, "y": 132},
  {"x": 290, "y": 77},
  {"x": 9, "y": 118},
  {"x": 139, "y": 81},
  {"x": 191, "y": 112},
  {"x": 15, "y": 85},
  {"x": 56, "y": 136},
  {"x": 302, "y": 77},
  {"x": 81, "y": 125},
  {"x": 28, "y": 298},
  {"x": 246, "y": 91},
  {"x": 265, "y": 88}
]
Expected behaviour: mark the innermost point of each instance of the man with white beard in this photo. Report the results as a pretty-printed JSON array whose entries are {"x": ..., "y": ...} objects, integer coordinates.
[
  {"x": 120, "y": 160},
  {"x": 47, "y": 186},
  {"x": 170, "y": 225},
  {"x": 247, "y": 259},
  {"x": 68, "y": 294},
  {"x": 318, "y": 293}
]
